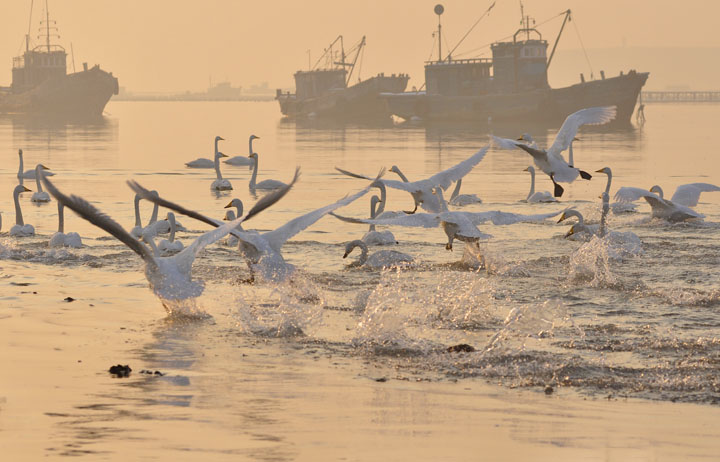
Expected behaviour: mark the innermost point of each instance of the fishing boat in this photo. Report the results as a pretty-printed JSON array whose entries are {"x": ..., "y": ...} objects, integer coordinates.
[
  {"x": 326, "y": 91},
  {"x": 41, "y": 84},
  {"x": 510, "y": 86}
]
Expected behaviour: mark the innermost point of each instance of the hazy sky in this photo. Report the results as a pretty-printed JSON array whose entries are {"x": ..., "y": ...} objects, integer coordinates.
[{"x": 172, "y": 45}]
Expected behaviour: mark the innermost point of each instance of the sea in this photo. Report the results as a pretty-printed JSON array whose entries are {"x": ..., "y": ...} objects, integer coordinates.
[{"x": 529, "y": 344}]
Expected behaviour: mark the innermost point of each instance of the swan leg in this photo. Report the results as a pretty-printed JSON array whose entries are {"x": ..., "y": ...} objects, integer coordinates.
[
  {"x": 558, "y": 189},
  {"x": 585, "y": 175}
]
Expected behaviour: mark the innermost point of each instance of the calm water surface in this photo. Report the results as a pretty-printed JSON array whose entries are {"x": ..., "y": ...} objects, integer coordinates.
[{"x": 290, "y": 371}]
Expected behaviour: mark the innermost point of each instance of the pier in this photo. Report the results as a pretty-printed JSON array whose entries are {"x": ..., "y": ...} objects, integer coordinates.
[{"x": 680, "y": 97}]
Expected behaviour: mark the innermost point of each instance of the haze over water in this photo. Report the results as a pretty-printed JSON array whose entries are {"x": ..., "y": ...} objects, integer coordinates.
[{"x": 345, "y": 361}]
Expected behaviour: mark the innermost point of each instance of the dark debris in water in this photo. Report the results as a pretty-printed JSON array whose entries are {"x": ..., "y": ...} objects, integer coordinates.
[
  {"x": 69, "y": 299},
  {"x": 461, "y": 348},
  {"x": 120, "y": 370},
  {"x": 158, "y": 373}
]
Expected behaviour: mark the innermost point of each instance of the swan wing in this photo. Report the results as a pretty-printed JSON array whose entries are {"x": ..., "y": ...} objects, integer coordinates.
[
  {"x": 499, "y": 218},
  {"x": 418, "y": 220},
  {"x": 538, "y": 155},
  {"x": 503, "y": 143},
  {"x": 573, "y": 122},
  {"x": 628, "y": 194},
  {"x": 204, "y": 240},
  {"x": 452, "y": 174},
  {"x": 689, "y": 194},
  {"x": 87, "y": 211}
]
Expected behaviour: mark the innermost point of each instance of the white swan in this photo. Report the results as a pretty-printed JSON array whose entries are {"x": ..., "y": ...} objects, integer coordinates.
[
  {"x": 170, "y": 278},
  {"x": 551, "y": 161},
  {"x": 170, "y": 246},
  {"x": 243, "y": 160},
  {"x": 373, "y": 237},
  {"x": 266, "y": 185},
  {"x": 687, "y": 194},
  {"x": 20, "y": 229},
  {"x": 263, "y": 252},
  {"x": 378, "y": 260},
  {"x": 661, "y": 208},
  {"x": 40, "y": 195},
  {"x": 206, "y": 163},
  {"x": 460, "y": 200},
  {"x": 230, "y": 215},
  {"x": 456, "y": 225},
  {"x": 539, "y": 196},
  {"x": 27, "y": 174},
  {"x": 578, "y": 231},
  {"x": 220, "y": 183},
  {"x": 616, "y": 207},
  {"x": 62, "y": 239},
  {"x": 422, "y": 190}
]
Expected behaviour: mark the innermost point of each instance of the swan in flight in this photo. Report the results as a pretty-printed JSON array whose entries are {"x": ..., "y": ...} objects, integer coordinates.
[
  {"x": 539, "y": 196},
  {"x": 373, "y": 237},
  {"x": 422, "y": 190},
  {"x": 265, "y": 185},
  {"x": 170, "y": 278},
  {"x": 378, "y": 260},
  {"x": 243, "y": 160},
  {"x": 27, "y": 174},
  {"x": 220, "y": 183},
  {"x": 460, "y": 200},
  {"x": 263, "y": 251},
  {"x": 40, "y": 195},
  {"x": 661, "y": 208},
  {"x": 62, "y": 239},
  {"x": 207, "y": 163},
  {"x": 551, "y": 161},
  {"x": 617, "y": 207},
  {"x": 456, "y": 225},
  {"x": 20, "y": 229}
]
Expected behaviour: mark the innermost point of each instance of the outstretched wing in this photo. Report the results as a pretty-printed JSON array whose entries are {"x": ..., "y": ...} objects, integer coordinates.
[
  {"x": 418, "y": 220},
  {"x": 503, "y": 143},
  {"x": 456, "y": 172},
  {"x": 206, "y": 239},
  {"x": 573, "y": 122},
  {"x": 87, "y": 211},
  {"x": 498, "y": 217},
  {"x": 689, "y": 194},
  {"x": 630, "y": 194}
]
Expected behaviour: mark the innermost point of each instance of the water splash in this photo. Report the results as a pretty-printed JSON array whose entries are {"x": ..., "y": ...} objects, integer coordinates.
[{"x": 591, "y": 263}]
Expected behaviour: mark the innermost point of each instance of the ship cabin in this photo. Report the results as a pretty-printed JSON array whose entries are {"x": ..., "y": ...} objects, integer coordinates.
[
  {"x": 520, "y": 65},
  {"x": 459, "y": 77},
  {"x": 311, "y": 84},
  {"x": 37, "y": 65}
]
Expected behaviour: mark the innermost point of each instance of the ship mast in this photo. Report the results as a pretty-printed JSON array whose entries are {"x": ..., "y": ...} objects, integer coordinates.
[
  {"x": 47, "y": 25},
  {"x": 439, "y": 9}
]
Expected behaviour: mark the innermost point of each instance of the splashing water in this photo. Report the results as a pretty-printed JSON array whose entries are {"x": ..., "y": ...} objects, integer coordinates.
[{"x": 591, "y": 263}]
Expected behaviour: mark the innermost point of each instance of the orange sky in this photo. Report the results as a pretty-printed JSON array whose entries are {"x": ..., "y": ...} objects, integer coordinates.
[{"x": 174, "y": 45}]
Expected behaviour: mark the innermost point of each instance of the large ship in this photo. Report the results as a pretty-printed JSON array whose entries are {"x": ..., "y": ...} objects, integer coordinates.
[
  {"x": 512, "y": 86},
  {"x": 326, "y": 92},
  {"x": 42, "y": 86}
]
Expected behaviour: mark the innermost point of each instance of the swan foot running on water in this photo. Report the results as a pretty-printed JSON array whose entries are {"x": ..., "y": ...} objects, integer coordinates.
[{"x": 378, "y": 260}]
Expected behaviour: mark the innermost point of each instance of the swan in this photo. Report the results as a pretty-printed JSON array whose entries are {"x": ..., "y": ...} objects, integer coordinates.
[
  {"x": 265, "y": 184},
  {"x": 460, "y": 200},
  {"x": 378, "y": 260},
  {"x": 687, "y": 194},
  {"x": 27, "y": 174},
  {"x": 551, "y": 161},
  {"x": 170, "y": 246},
  {"x": 617, "y": 207},
  {"x": 422, "y": 190},
  {"x": 456, "y": 225},
  {"x": 231, "y": 240},
  {"x": 540, "y": 196},
  {"x": 61, "y": 239},
  {"x": 661, "y": 208},
  {"x": 263, "y": 251},
  {"x": 40, "y": 195},
  {"x": 373, "y": 237},
  {"x": 206, "y": 163},
  {"x": 170, "y": 278},
  {"x": 243, "y": 160},
  {"x": 20, "y": 229},
  {"x": 578, "y": 231},
  {"x": 220, "y": 183}
]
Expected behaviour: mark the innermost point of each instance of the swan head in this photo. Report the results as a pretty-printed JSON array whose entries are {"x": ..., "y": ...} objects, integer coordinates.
[
  {"x": 154, "y": 193},
  {"x": 530, "y": 169},
  {"x": 220, "y": 154},
  {"x": 20, "y": 152},
  {"x": 253, "y": 137},
  {"x": 525, "y": 137},
  {"x": 394, "y": 169},
  {"x": 570, "y": 213},
  {"x": 575, "y": 138},
  {"x": 605, "y": 170},
  {"x": 253, "y": 155},
  {"x": 657, "y": 190},
  {"x": 229, "y": 215},
  {"x": 235, "y": 203},
  {"x": 571, "y": 231},
  {"x": 352, "y": 244},
  {"x": 219, "y": 138},
  {"x": 374, "y": 201},
  {"x": 21, "y": 189}
]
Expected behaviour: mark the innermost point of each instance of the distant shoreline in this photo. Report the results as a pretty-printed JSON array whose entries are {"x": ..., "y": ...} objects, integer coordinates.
[{"x": 255, "y": 98}]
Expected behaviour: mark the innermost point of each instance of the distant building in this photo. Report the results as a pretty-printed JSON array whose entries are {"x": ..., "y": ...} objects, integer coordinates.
[{"x": 224, "y": 90}]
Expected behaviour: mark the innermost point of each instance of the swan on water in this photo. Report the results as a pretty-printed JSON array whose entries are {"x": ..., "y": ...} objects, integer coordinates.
[
  {"x": 20, "y": 229},
  {"x": 27, "y": 174},
  {"x": 265, "y": 185},
  {"x": 687, "y": 194},
  {"x": 263, "y": 251},
  {"x": 661, "y": 208},
  {"x": 460, "y": 200},
  {"x": 616, "y": 207},
  {"x": 422, "y": 190},
  {"x": 243, "y": 160},
  {"x": 378, "y": 260},
  {"x": 373, "y": 237},
  {"x": 550, "y": 161},
  {"x": 40, "y": 195},
  {"x": 170, "y": 246},
  {"x": 207, "y": 163},
  {"x": 157, "y": 227},
  {"x": 220, "y": 183},
  {"x": 230, "y": 215},
  {"x": 456, "y": 225},
  {"x": 62, "y": 239},
  {"x": 578, "y": 231},
  {"x": 170, "y": 278},
  {"x": 539, "y": 196}
]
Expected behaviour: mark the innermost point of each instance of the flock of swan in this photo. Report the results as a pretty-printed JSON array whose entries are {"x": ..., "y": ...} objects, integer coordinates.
[{"x": 168, "y": 263}]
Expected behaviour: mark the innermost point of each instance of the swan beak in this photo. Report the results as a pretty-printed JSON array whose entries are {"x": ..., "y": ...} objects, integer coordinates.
[
  {"x": 562, "y": 217},
  {"x": 220, "y": 154},
  {"x": 228, "y": 206},
  {"x": 26, "y": 189},
  {"x": 345, "y": 256},
  {"x": 519, "y": 139},
  {"x": 221, "y": 138},
  {"x": 44, "y": 167},
  {"x": 257, "y": 137},
  {"x": 526, "y": 170},
  {"x": 602, "y": 170},
  {"x": 570, "y": 232},
  {"x": 576, "y": 139}
]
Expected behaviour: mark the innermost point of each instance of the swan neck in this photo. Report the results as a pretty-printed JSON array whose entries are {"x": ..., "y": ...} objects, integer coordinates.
[
  {"x": 250, "y": 149},
  {"x": 609, "y": 182},
  {"x": 61, "y": 217},
  {"x": 151, "y": 243},
  {"x": 254, "y": 173},
  {"x": 532, "y": 184},
  {"x": 20, "y": 168},
  {"x": 456, "y": 191},
  {"x": 217, "y": 166},
  {"x": 137, "y": 211},
  {"x": 372, "y": 214},
  {"x": 363, "y": 252},
  {"x": 401, "y": 175},
  {"x": 154, "y": 216},
  {"x": 37, "y": 179},
  {"x": 171, "y": 219},
  {"x": 603, "y": 218},
  {"x": 18, "y": 212}
]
